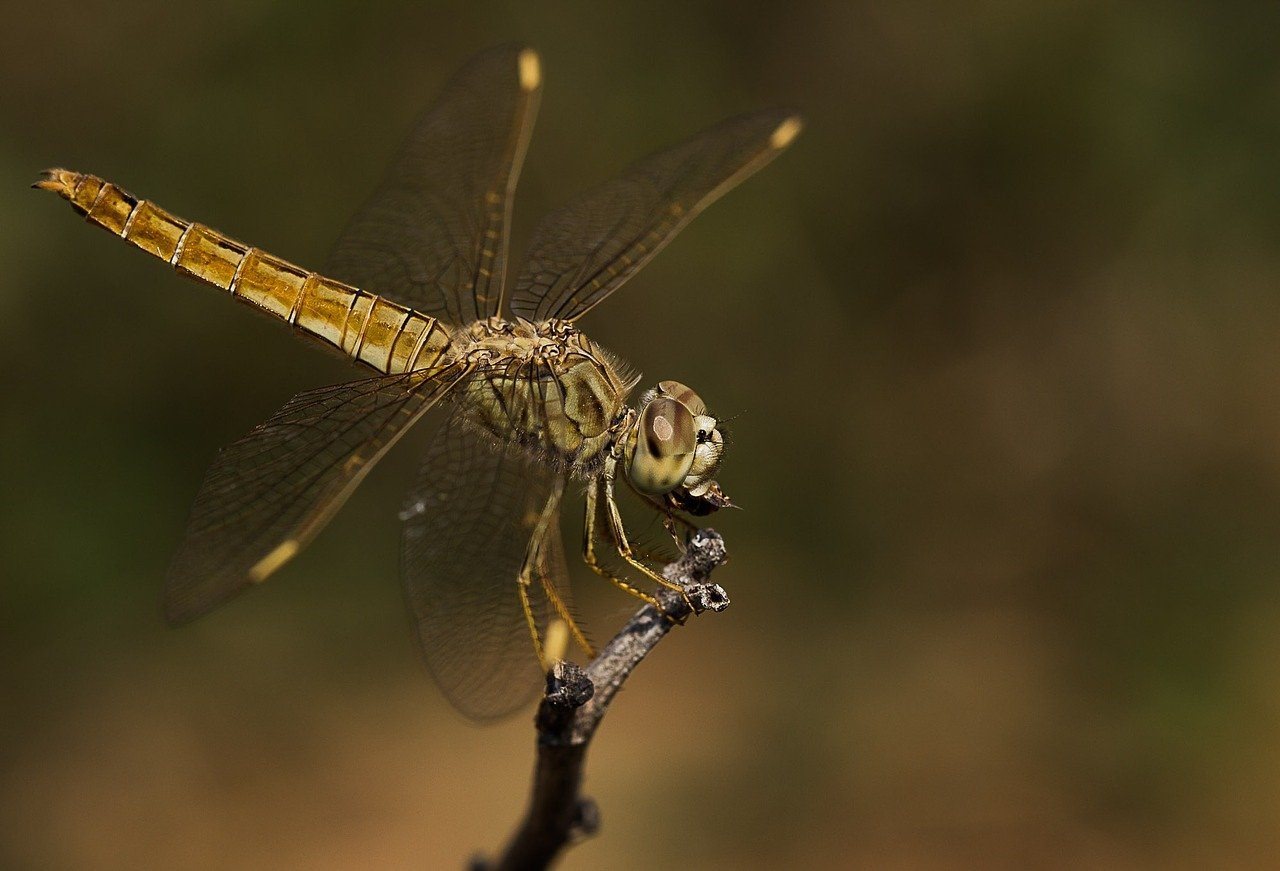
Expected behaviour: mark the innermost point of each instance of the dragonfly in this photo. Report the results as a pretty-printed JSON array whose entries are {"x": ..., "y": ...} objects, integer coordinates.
[{"x": 420, "y": 298}]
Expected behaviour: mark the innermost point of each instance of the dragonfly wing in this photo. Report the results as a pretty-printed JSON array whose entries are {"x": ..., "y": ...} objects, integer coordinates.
[
  {"x": 554, "y": 575},
  {"x": 266, "y": 496},
  {"x": 433, "y": 236},
  {"x": 471, "y": 524},
  {"x": 588, "y": 248}
]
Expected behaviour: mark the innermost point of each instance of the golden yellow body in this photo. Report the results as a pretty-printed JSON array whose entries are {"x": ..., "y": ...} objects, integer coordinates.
[
  {"x": 534, "y": 400},
  {"x": 368, "y": 328}
]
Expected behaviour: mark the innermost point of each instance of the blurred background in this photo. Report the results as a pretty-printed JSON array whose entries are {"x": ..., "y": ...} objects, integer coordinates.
[{"x": 998, "y": 337}]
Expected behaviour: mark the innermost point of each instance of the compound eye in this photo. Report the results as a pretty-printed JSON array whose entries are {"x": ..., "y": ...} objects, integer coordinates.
[
  {"x": 663, "y": 446},
  {"x": 683, "y": 394}
]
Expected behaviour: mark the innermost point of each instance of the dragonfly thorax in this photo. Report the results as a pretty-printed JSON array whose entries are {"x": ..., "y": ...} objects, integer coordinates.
[{"x": 547, "y": 388}]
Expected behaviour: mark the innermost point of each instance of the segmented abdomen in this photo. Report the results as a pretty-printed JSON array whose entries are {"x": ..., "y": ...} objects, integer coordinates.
[{"x": 388, "y": 337}]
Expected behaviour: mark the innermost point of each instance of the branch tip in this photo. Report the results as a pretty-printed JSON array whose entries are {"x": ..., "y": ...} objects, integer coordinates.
[{"x": 577, "y": 698}]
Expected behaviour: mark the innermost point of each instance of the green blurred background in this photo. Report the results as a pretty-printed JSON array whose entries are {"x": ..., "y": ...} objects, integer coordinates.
[{"x": 1000, "y": 333}]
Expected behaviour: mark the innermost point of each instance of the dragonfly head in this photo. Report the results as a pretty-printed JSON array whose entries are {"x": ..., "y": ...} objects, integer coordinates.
[{"x": 674, "y": 449}]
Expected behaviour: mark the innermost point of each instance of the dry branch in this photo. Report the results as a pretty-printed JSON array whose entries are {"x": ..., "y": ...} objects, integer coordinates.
[{"x": 576, "y": 700}]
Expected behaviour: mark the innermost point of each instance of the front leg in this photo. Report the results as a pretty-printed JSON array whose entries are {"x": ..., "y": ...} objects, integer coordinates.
[
  {"x": 670, "y": 519},
  {"x": 620, "y": 534}
]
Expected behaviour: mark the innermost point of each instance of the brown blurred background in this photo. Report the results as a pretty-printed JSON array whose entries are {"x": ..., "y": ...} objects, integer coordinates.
[{"x": 1000, "y": 333}]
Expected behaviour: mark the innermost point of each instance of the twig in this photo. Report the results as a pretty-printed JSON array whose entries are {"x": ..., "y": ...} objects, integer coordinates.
[{"x": 576, "y": 700}]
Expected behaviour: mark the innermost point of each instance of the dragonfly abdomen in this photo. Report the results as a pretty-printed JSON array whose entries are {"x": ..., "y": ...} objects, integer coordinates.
[{"x": 368, "y": 328}]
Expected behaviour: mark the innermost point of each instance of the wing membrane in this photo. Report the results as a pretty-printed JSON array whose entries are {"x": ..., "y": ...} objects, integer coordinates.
[
  {"x": 434, "y": 234},
  {"x": 267, "y": 495},
  {"x": 588, "y": 248},
  {"x": 469, "y": 527}
]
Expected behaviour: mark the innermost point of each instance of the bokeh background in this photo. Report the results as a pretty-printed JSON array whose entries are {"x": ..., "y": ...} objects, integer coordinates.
[{"x": 1000, "y": 341}]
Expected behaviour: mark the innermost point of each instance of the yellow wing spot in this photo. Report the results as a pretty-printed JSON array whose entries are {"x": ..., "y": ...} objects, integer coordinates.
[
  {"x": 785, "y": 132},
  {"x": 530, "y": 70},
  {"x": 266, "y": 566},
  {"x": 556, "y": 644}
]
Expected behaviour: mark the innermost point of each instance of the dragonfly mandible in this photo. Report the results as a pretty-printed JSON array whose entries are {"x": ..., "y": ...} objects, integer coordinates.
[{"x": 534, "y": 403}]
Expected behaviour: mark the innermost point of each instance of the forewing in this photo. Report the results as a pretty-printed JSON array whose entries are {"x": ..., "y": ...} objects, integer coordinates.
[
  {"x": 469, "y": 526},
  {"x": 587, "y": 249},
  {"x": 266, "y": 496},
  {"x": 433, "y": 236}
]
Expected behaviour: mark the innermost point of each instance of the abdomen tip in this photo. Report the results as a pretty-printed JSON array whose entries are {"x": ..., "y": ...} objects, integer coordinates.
[{"x": 61, "y": 181}]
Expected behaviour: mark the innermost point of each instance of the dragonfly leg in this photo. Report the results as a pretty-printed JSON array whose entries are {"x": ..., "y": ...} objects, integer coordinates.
[
  {"x": 536, "y": 566},
  {"x": 670, "y": 519},
  {"x": 589, "y": 538},
  {"x": 562, "y": 610},
  {"x": 523, "y": 587},
  {"x": 620, "y": 534}
]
